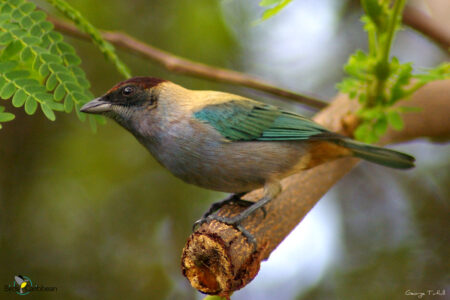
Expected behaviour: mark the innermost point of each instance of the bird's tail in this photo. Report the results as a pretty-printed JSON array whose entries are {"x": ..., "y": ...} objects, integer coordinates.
[{"x": 378, "y": 155}]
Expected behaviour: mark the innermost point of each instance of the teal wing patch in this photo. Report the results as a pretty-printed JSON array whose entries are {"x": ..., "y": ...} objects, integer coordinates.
[{"x": 241, "y": 120}]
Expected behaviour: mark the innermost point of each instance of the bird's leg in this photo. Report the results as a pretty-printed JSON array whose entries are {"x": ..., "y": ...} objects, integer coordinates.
[
  {"x": 271, "y": 190},
  {"x": 234, "y": 198}
]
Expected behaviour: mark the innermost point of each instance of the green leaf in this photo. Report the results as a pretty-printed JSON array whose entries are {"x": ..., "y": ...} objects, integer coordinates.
[
  {"x": 30, "y": 105},
  {"x": 275, "y": 10},
  {"x": 55, "y": 36},
  {"x": 380, "y": 126},
  {"x": 68, "y": 104},
  {"x": 371, "y": 113},
  {"x": 16, "y": 74},
  {"x": 27, "y": 7},
  {"x": 6, "y": 8},
  {"x": 31, "y": 40},
  {"x": 3, "y": 82},
  {"x": 51, "y": 58},
  {"x": 71, "y": 85},
  {"x": 6, "y": 117},
  {"x": 11, "y": 50},
  {"x": 51, "y": 82},
  {"x": 44, "y": 70},
  {"x": 6, "y": 66},
  {"x": 44, "y": 97},
  {"x": 363, "y": 132},
  {"x": 46, "y": 26},
  {"x": 19, "y": 98},
  {"x": 34, "y": 88},
  {"x": 80, "y": 97},
  {"x": 38, "y": 16},
  {"x": 81, "y": 116},
  {"x": 92, "y": 123},
  {"x": 56, "y": 106},
  {"x": 59, "y": 92},
  {"x": 37, "y": 30},
  {"x": 72, "y": 59},
  {"x": 65, "y": 48},
  {"x": 100, "y": 119},
  {"x": 36, "y": 63},
  {"x": 348, "y": 85},
  {"x": 373, "y": 9},
  {"x": 7, "y": 91},
  {"x": 395, "y": 120},
  {"x": 26, "y": 54},
  {"x": 6, "y": 38},
  {"x": 48, "y": 112},
  {"x": 83, "y": 82},
  {"x": 23, "y": 82},
  {"x": 16, "y": 14}
]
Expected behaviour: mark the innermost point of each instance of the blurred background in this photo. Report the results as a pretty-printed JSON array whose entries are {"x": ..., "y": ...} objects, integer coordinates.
[{"x": 97, "y": 217}]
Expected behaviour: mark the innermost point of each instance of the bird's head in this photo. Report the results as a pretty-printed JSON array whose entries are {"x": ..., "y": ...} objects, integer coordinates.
[{"x": 127, "y": 100}]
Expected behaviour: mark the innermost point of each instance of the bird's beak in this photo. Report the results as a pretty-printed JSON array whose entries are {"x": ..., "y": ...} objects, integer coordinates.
[{"x": 96, "y": 106}]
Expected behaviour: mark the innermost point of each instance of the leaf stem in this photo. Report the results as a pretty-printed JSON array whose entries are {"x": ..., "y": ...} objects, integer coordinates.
[
  {"x": 396, "y": 14},
  {"x": 382, "y": 66}
]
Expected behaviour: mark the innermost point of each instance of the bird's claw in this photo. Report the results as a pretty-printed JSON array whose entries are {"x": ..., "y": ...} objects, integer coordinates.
[
  {"x": 199, "y": 223},
  {"x": 233, "y": 221},
  {"x": 234, "y": 198}
]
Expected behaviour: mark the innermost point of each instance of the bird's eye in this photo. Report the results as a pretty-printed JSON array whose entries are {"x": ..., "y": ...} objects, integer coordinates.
[{"x": 128, "y": 90}]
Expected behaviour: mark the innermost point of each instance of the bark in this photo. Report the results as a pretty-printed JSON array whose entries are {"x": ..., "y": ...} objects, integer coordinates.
[
  {"x": 425, "y": 24},
  {"x": 217, "y": 259}
]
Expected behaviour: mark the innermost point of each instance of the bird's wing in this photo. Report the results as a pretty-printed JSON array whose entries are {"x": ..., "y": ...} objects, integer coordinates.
[{"x": 243, "y": 120}]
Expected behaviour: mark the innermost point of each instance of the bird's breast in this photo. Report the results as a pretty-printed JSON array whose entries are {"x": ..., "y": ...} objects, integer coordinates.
[{"x": 199, "y": 155}]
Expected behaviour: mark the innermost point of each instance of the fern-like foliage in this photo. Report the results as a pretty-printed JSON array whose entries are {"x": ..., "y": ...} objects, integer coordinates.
[
  {"x": 379, "y": 81},
  {"x": 37, "y": 68}
]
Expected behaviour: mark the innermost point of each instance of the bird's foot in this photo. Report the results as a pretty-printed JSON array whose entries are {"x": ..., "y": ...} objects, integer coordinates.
[
  {"x": 236, "y": 220},
  {"x": 234, "y": 198}
]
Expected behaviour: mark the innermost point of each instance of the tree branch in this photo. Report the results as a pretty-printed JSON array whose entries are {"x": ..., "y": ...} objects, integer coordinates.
[
  {"x": 428, "y": 26},
  {"x": 217, "y": 259},
  {"x": 184, "y": 66}
]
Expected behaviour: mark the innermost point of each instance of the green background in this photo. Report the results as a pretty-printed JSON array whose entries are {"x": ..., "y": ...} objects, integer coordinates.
[{"x": 97, "y": 217}]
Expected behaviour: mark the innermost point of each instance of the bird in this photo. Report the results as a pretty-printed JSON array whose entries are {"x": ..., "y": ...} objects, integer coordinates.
[{"x": 228, "y": 143}]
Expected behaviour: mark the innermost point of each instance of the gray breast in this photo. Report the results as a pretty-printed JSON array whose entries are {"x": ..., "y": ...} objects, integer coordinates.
[{"x": 199, "y": 155}]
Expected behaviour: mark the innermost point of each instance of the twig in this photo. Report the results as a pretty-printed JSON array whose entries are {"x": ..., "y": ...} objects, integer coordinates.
[
  {"x": 184, "y": 66},
  {"x": 411, "y": 17},
  {"x": 217, "y": 259}
]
